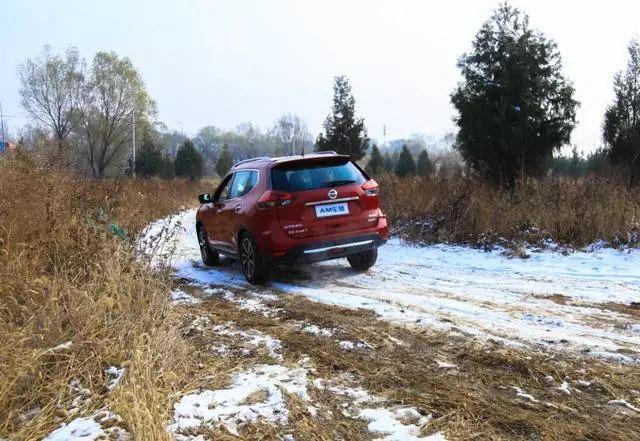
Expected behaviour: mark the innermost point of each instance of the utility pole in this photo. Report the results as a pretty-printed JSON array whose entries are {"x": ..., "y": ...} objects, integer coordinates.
[
  {"x": 133, "y": 142},
  {"x": 384, "y": 135}
]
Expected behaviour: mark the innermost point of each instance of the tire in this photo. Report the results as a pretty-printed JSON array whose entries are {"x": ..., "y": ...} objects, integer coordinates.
[
  {"x": 255, "y": 267},
  {"x": 209, "y": 257},
  {"x": 364, "y": 260}
]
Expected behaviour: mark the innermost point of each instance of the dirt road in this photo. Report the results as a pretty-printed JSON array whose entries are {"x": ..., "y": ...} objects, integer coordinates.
[{"x": 578, "y": 302}]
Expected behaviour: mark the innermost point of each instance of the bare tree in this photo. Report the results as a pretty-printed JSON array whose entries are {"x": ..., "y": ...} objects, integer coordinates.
[
  {"x": 292, "y": 132},
  {"x": 113, "y": 92},
  {"x": 51, "y": 91}
]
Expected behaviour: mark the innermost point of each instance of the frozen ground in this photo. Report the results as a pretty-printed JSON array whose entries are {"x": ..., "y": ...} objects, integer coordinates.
[{"x": 463, "y": 290}]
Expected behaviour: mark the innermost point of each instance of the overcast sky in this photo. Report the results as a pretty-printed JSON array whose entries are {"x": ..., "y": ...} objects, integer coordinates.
[{"x": 226, "y": 62}]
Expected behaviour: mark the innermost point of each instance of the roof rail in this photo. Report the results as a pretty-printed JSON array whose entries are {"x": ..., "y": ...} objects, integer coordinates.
[
  {"x": 261, "y": 158},
  {"x": 325, "y": 152}
]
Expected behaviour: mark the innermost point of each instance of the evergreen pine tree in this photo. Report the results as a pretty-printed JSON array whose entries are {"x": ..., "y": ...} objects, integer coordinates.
[
  {"x": 188, "y": 163},
  {"x": 225, "y": 161},
  {"x": 168, "y": 168},
  {"x": 149, "y": 161},
  {"x": 376, "y": 162},
  {"x": 622, "y": 118},
  {"x": 406, "y": 165},
  {"x": 514, "y": 105},
  {"x": 343, "y": 132},
  {"x": 388, "y": 163},
  {"x": 424, "y": 167}
]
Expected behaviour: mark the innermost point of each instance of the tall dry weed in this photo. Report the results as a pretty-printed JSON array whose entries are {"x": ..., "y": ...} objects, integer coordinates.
[
  {"x": 570, "y": 212},
  {"x": 74, "y": 301}
]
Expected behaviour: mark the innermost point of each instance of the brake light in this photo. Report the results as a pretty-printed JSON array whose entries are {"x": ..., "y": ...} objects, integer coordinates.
[
  {"x": 272, "y": 198},
  {"x": 371, "y": 188}
]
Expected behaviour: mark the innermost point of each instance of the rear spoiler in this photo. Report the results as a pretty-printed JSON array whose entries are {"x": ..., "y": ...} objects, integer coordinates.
[{"x": 332, "y": 158}]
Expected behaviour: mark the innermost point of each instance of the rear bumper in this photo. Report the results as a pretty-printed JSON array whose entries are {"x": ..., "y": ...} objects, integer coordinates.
[{"x": 331, "y": 249}]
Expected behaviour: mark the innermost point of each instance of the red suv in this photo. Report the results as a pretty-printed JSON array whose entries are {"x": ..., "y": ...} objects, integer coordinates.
[{"x": 295, "y": 209}]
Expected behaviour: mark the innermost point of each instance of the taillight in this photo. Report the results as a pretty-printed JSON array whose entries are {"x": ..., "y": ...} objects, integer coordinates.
[
  {"x": 371, "y": 188},
  {"x": 272, "y": 198}
]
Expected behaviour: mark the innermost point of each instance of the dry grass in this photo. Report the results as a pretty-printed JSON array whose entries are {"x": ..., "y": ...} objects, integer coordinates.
[
  {"x": 571, "y": 212},
  {"x": 67, "y": 274}
]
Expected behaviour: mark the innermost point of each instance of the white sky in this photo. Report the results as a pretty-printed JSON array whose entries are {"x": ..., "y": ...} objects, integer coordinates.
[{"x": 227, "y": 62}]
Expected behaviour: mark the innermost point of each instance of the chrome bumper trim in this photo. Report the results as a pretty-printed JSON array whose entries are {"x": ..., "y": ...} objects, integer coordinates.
[{"x": 335, "y": 247}]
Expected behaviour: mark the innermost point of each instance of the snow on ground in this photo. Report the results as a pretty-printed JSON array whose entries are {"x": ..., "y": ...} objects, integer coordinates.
[
  {"x": 179, "y": 297},
  {"x": 390, "y": 424},
  {"x": 395, "y": 423},
  {"x": 484, "y": 294},
  {"x": 255, "y": 395},
  {"x": 114, "y": 375},
  {"x": 98, "y": 426},
  {"x": 316, "y": 330},
  {"x": 251, "y": 339},
  {"x": 522, "y": 394}
]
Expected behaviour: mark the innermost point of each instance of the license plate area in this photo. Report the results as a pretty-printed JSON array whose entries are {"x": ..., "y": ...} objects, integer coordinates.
[{"x": 329, "y": 210}]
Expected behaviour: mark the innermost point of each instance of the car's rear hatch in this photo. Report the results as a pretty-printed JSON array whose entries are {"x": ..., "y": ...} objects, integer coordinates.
[{"x": 325, "y": 196}]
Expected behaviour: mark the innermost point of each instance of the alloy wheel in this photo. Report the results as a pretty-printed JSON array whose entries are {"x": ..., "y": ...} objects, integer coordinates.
[
  {"x": 202, "y": 241},
  {"x": 248, "y": 257}
]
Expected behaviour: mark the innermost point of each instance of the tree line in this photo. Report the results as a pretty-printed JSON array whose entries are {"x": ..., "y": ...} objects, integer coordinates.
[
  {"x": 515, "y": 111},
  {"x": 85, "y": 115}
]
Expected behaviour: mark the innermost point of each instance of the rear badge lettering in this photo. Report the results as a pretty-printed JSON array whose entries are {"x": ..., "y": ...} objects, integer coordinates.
[{"x": 332, "y": 210}]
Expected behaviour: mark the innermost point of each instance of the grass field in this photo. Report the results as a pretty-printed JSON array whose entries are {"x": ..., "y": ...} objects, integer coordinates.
[{"x": 79, "y": 307}]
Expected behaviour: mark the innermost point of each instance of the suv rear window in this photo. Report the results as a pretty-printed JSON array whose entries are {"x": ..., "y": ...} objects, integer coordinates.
[{"x": 310, "y": 176}]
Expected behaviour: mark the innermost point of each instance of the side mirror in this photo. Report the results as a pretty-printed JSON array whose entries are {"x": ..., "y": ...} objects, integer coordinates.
[{"x": 205, "y": 198}]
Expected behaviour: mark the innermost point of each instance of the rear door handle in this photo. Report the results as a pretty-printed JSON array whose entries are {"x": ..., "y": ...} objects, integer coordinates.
[{"x": 238, "y": 208}]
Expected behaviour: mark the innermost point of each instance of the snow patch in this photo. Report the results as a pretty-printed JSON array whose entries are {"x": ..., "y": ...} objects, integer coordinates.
[
  {"x": 114, "y": 375},
  {"x": 61, "y": 347},
  {"x": 179, "y": 297},
  {"x": 255, "y": 395},
  {"x": 90, "y": 429},
  {"x": 252, "y": 340},
  {"x": 626, "y": 404},
  {"x": 522, "y": 394},
  {"x": 355, "y": 395},
  {"x": 316, "y": 330},
  {"x": 398, "y": 424},
  {"x": 352, "y": 345},
  {"x": 564, "y": 388},
  {"x": 446, "y": 365}
]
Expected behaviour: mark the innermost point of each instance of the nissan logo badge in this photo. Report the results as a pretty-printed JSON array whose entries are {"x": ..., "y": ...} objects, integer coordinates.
[{"x": 333, "y": 194}]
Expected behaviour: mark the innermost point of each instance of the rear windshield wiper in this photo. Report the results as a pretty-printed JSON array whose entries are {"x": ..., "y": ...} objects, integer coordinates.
[{"x": 340, "y": 182}]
